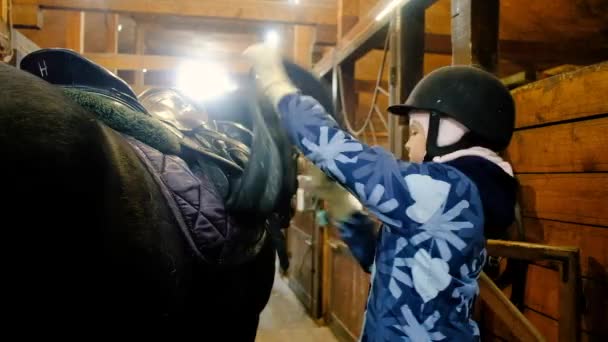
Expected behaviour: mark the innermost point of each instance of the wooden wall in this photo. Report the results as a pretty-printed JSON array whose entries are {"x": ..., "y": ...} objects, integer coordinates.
[{"x": 560, "y": 157}]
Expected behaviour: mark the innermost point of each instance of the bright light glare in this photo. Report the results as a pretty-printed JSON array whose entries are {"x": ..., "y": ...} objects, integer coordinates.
[
  {"x": 272, "y": 38},
  {"x": 119, "y": 27},
  {"x": 295, "y": 2},
  {"x": 391, "y": 6},
  {"x": 203, "y": 81}
]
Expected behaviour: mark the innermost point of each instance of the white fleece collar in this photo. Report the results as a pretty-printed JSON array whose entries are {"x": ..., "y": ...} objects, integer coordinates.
[{"x": 479, "y": 152}]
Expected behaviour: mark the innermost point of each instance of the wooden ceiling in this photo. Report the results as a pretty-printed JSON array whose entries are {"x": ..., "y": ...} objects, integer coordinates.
[{"x": 537, "y": 33}]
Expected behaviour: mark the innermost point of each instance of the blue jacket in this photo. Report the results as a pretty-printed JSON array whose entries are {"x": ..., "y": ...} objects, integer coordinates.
[{"x": 431, "y": 247}]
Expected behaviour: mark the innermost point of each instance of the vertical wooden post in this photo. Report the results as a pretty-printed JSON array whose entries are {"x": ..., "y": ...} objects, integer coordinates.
[
  {"x": 303, "y": 44},
  {"x": 4, "y": 11},
  {"x": 140, "y": 49},
  {"x": 407, "y": 66},
  {"x": 569, "y": 300},
  {"x": 75, "y": 31},
  {"x": 351, "y": 102},
  {"x": 111, "y": 21},
  {"x": 348, "y": 16},
  {"x": 475, "y": 26},
  {"x": 287, "y": 40},
  {"x": 5, "y": 31}
]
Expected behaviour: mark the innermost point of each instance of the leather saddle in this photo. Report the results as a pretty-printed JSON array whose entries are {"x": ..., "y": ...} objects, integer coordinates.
[{"x": 246, "y": 165}]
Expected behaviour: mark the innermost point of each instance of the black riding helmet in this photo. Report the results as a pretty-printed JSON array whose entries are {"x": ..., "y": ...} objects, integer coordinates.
[{"x": 473, "y": 97}]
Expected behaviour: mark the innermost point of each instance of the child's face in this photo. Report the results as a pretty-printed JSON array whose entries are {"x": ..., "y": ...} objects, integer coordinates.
[{"x": 416, "y": 144}]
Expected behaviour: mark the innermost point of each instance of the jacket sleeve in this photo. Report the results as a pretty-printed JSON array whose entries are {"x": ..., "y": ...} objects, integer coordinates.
[
  {"x": 427, "y": 202},
  {"x": 358, "y": 233},
  {"x": 372, "y": 174}
]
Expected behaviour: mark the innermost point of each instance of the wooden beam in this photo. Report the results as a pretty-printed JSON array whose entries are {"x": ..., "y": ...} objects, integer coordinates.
[
  {"x": 529, "y": 251},
  {"x": 4, "y": 10},
  {"x": 407, "y": 68},
  {"x": 506, "y": 311},
  {"x": 365, "y": 34},
  {"x": 111, "y": 21},
  {"x": 349, "y": 107},
  {"x": 140, "y": 50},
  {"x": 195, "y": 44},
  {"x": 569, "y": 96},
  {"x": 258, "y": 10},
  {"x": 475, "y": 33},
  {"x": 326, "y": 35},
  {"x": 348, "y": 16},
  {"x": 27, "y": 16},
  {"x": 303, "y": 42},
  {"x": 75, "y": 31},
  {"x": 410, "y": 50},
  {"x": 149, "y": 62}
]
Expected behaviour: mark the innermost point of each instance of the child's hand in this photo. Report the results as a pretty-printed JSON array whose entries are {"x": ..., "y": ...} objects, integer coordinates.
[{"x": 271, "y": 76}]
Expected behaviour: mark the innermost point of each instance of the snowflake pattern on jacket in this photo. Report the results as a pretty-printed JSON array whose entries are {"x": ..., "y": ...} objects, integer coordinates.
[{"x": 431, "y": 247}]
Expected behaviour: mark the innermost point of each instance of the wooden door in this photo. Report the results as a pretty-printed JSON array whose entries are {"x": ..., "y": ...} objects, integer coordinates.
[
  {"x": 300, "y": 248},
  {"x": 346, "y": 286}
]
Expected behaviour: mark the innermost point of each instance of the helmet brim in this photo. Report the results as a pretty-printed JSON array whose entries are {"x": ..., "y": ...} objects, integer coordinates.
[{"x": 401, "y": 109}]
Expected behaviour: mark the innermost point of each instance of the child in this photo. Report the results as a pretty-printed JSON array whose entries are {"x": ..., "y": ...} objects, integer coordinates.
[{"x": 430, "y": 250}]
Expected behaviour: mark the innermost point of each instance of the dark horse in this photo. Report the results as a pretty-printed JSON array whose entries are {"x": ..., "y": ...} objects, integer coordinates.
[{"x": 89, "y": 239}]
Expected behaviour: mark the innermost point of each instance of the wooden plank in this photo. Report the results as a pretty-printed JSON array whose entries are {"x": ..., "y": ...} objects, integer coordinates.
[
  {"x": 4, "y": 10},
  {"x": 536, "y": 20},
  {"x": 27, "y": 16},
  {"x": 530, "y": 52},
  {"x": 575, "y": 198},
  {"x": 543, "y": 295},
  {"x": 258, "y": 10},
  {"x": 327, "y": 35},
  {"x": 519, "y": 79},
  {"x": 475, "y": 33},
  {"x": 75, "y": 31},
  {"x": 351, "y": 98},
  {"x": 22, "y": 44},
  {"x": 528, "y": 251},
  {"x": 5, "y": 32},
  {"x": 300, "y": 274},
  {"x": 348, "y": 16},
  {"x": 304, "y": 221},
  {"x": 111, "y": 25},
  {"x": 550, "y": 328},
  {"x": 547, "y": 326},
  {"x": 150, "y": 62},
  {"x": 356, "y": 42},
  {"x": 591, "y": 241},
  {"x": 349, "y": 291},
  {"x": 303, "y": 42},
  {"x": 570, "y": 147},
  {"x": 563, "y": 97},
  {"x": 140, "y": 49},
  {"x": 506, "y": 311},
  {"x": 411, "y": 53}
]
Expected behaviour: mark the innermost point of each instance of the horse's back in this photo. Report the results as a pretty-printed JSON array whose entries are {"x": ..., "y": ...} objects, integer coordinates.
[
  {"x": 86, "y": 229},
  {"x": 88, "y": 236}
]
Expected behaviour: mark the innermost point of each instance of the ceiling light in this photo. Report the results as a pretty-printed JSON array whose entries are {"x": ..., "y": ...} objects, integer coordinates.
[{"x": 389, "y": 7}]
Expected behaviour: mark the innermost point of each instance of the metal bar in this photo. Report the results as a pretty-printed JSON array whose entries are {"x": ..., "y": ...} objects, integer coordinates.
[
  {"x": 383, "y": 91},
  {"x": 381, "y": 115},
  {"x": 373, "y": 129}
]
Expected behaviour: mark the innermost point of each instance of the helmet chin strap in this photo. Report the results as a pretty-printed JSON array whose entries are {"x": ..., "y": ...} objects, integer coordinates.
[{"x": 432, "y": 150}]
